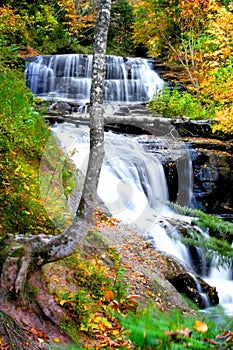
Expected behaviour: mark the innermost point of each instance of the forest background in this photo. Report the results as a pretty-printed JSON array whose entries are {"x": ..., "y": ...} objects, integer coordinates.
[{"x": 195, "y": 34}]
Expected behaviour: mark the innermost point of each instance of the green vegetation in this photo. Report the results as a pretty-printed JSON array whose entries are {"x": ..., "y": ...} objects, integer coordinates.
[
  {"x": 58, "y": 26},
  {"x": 91, "y": 293},
  {"x": 175, "y": 103},
  {"x": 68, "y": 347},
  {"x": 218, "y": 243},
  {"x": 193, "y": 35},
  {"x": 153, "y": 329},
  {"x": 217, "y": 225},
  {"x": 120, "y": 36},
  {"x": 23, "y": 136},
  {"x": 97, "y": 310},
  {"x": 56, "y": 182}
]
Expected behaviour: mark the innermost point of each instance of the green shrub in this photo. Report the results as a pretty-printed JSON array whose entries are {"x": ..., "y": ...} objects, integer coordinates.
[
  {"x": 97, "y": 291},
  {"x": 175, "y": 103}
]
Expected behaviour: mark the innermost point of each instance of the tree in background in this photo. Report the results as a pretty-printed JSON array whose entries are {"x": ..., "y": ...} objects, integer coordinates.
[
  {"x": 79, "y": 20},
  {"x": 57, "y": 26},
  {"x": 172, "y": 29},
  {"x": 13, "y": 31},
  {"x": 63, "y": 26},
  {"x": 216, "y": 82},
  {"x": 120, "y": 39}
]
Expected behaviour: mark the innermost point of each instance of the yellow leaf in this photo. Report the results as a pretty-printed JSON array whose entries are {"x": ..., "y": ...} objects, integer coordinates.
[
  {"x": 17, "y": 169},
  {"x": 26, "y": 187},
  {"x": 1, "y": 341},
  {"x": 200, "y": 326},
  {"x": 115, "y": 332},
  {"x": 56, "y": 340}
]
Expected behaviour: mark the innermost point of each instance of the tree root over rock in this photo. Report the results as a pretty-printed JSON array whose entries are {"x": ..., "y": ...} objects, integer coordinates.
[{"x": 29, "y": 317}]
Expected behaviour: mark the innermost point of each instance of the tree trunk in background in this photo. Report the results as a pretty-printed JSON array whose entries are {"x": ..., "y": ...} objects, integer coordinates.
[{"x": 89, "y": 196}]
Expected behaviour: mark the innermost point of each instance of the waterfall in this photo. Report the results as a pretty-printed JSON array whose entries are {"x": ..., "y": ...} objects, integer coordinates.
[
  {"x": 68, "y": 78},
  {"x": 132, "y": 186},
  {"x": 221, "y": 278}
]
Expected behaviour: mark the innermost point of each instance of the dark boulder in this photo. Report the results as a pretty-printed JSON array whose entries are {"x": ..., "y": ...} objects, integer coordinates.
[{"x": 187, "y": 282}]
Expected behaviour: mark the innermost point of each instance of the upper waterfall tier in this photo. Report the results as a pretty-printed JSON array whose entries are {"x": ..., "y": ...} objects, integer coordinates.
[{"x": 68, "y": 77}]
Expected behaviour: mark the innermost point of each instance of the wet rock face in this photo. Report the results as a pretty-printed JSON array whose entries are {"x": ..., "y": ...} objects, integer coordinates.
[
  {"x": 185, "y": 284},
  {"x": 211, "y": 170},
  {"x": 189, "y": 283},
  {"x": 213, "y": 175}
]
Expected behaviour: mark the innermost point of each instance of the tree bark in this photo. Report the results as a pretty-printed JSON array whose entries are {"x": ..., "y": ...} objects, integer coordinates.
[{"x": 89, "y": 197}]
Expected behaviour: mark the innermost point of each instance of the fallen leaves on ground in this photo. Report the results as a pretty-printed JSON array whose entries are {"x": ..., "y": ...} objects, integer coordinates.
[
  {"x": 226, "y": 337},
  {"x": 109, "y": 295},
  {"x": 38, "y": 335},
  {"x": 3, "y": 345},
  {"x": 103, "y": 219},
  {"x": 107, "y": 331}
]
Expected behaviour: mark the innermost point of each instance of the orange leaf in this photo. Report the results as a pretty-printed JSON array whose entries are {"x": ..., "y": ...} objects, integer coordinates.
[
  {"x": 200, "y": 326},
  {"x": 109, "y": 295}
]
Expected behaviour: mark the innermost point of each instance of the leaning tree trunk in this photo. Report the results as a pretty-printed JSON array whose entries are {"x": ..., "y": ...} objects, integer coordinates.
[
  {"x": 89, "y": 197},
  {"x": 23, "y": 255}
]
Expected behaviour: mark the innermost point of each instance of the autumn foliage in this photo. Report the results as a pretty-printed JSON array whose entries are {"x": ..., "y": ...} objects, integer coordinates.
[
  {"x": 196, "y": 34},
  {"x": 79, "y": 16}
]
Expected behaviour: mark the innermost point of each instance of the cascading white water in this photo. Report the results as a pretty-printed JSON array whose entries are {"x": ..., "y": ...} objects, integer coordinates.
[
  {"x": 68, "y": 77},
  {"x": 132, "y": 186},
  {"x": 221, "y": 278}
]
